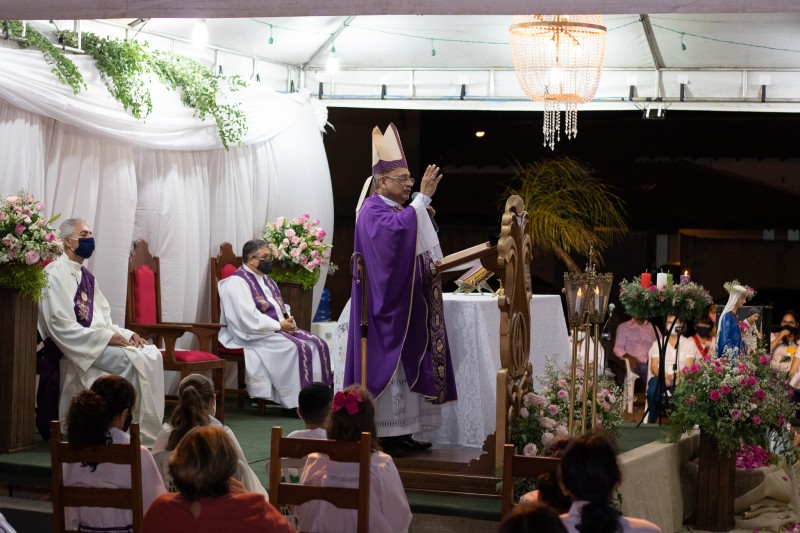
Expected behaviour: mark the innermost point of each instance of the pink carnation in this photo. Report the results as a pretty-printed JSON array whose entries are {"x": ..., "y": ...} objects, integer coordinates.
[
  {"x": 714, "y": 395},
  {"x": 756, "y": 420},
  {"x": 735, "y": 414},
  {"x": 725, "y": 389},
  {"x": 553, "y": 409},
  {"x": 529, "y": 449},
  {"x": 562, "y": 394},
  {"x": 760, "y": 394},
  {"x": 295, "y": 239},
  {"x": 279, "y": 221},
  {"x": 290, "y": 233},
  {"x": 19, "y": 228},
  {"x": 321, "y": 234},
  {"x": 523, "y": 413}
]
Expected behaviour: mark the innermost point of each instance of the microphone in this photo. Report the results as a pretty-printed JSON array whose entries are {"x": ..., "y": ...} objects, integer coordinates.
[
  {"x": 606, "y": 335},
  {"x": 435, "y": 225}
]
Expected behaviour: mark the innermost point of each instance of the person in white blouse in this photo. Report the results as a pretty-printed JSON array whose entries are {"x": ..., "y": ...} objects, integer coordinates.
[
  {"x": 197, "y": 406},
  {"x": 352, "y": 413},
  {"x": 681, "y": 352},
  {"x": 102, "y": 415},
  {"x": 280, "y": 358}
]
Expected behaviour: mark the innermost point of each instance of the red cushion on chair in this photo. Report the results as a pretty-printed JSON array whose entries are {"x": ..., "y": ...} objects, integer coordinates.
[
  {"x": 226, "y": 271},
  {"x": 193, "y": 356},
  {"x": 230, "y": 351},
  {"x": 144, "y": 296}
]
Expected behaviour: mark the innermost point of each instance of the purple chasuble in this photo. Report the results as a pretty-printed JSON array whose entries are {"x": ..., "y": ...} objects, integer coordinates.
[
  {"x": 405, "y": 313},
  {"x": 47, "y": 359},
  {"x": 303, "y": 350}
]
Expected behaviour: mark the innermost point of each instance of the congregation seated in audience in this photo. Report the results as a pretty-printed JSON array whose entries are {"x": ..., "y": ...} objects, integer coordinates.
[
  {"x": 102, "y": 415},
  {"x": 314, "y": 407},
  {"x": 590, "y": 473},
  {"x": 196, "y": 407},
  {"x": 209, "y": 498},
  {"x": 353, "y": 412},
  {"x": 548, "y": 488}
]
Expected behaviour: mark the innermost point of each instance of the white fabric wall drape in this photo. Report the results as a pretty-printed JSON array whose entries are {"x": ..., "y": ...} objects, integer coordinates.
[{"x": 165, "y": 180}]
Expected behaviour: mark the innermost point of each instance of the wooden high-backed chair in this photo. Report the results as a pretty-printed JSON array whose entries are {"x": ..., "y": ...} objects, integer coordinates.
[
  {"x": 348, "y": 452},
  {"x": 73, "y": 496},
  {"x": 223, "y": 265},
  {"x": 515, "y": 466},
  {"x": 143, "y": 315}
]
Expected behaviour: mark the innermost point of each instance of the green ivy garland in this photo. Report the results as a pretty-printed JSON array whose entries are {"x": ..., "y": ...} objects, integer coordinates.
[
  {"x": 65, "y": 70},
  {"x": 124, "y": 65},
  {"x": 199, "y": 87}
]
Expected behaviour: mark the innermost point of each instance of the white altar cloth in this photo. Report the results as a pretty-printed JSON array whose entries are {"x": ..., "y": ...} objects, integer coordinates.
[{"x": 473, "y": 331}]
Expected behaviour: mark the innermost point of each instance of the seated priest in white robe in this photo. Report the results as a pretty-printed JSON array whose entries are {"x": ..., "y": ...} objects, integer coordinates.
[
  {"x": 81, "y": 343},
  {"x": 280, "y": 358}
]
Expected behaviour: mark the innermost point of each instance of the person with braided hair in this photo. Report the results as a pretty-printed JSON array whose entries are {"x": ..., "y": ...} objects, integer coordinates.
[
  {"x": 352, "y": 413},
  {"x": 102, "y": 415},
  {"x": 590, "y": 473},
  {"x": 197, "y": 405}
]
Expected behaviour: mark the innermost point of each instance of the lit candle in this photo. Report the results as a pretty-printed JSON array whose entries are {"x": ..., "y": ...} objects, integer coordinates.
[
  {"x": 661, "y": 280},
  {"x": 685, "y": 278},
  {"x": 596, "y": 299},
  {"x": 647, "y": 280},
  {"x": 579, "y": 301},
  {"x": 669, "y": 279}
]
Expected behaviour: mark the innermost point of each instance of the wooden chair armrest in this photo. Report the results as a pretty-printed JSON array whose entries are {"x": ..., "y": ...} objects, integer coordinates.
[
  {"x": 170, "y": 332},
  {"x": 205, "y": 333}
]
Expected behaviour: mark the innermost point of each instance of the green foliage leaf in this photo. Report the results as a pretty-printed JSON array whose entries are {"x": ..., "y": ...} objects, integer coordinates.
[
  {"x": 570, "y": 209},
  {"x": 65, "y": 70}
]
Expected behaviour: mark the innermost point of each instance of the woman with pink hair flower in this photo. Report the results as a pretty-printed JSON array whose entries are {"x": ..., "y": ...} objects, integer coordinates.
[{"x": 352, "y": 413}]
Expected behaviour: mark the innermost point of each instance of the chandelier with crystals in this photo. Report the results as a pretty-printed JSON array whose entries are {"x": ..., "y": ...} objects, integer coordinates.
[{"x": 558, "y": 60}]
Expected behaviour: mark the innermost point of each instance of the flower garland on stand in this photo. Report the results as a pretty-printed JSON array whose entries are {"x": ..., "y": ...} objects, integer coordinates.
[
  {"x": 646, "y": 301},
  {"x": 28, "y": 243}
]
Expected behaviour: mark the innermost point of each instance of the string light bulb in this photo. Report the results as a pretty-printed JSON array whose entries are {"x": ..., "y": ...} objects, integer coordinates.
[
  {"x": 332, "y": 65},
  {"x": 271, "y": 40},
  {"x": 683, "y": 46},
  {"x": 200, "y": 34},
  {"x": 433, "y": 50}
]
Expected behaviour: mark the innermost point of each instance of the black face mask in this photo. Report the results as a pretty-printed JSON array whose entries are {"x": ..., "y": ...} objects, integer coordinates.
[
  {"x": 85, "y": 247},
  {"x": 703, "y": 331},
  {"x": 265, "y": 266}
]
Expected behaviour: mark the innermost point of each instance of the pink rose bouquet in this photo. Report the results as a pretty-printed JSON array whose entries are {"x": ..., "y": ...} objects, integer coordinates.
[{"x": 297, "y": 248}]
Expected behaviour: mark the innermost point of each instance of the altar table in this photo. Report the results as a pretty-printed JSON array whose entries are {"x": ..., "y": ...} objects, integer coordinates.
[{"x": 473, "y": 331}]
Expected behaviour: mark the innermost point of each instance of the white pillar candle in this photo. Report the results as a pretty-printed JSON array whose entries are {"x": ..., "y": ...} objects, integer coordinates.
[{"x": 661, "y": 280}]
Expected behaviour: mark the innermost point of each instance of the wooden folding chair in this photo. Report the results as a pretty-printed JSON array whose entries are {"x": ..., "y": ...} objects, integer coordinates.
[
  {"x": 69, "y": 496},
  {"x": 515, "y": 466},
  {"x": 348, "y": 452}
]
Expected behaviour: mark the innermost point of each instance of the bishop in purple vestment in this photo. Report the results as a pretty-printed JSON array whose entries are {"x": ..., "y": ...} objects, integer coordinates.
[{"x": 409, "y": 370}]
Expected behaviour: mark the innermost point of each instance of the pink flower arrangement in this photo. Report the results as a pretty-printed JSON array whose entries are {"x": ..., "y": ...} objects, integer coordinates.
[
  {"x": 298, "y": 243},
  {"x": 734, "y": 402},
  {"x": 27, "y": 239},
  {"x": 753, "y": 456}
]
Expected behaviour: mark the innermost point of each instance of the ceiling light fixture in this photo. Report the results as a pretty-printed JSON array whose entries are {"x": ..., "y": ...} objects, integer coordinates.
[
  {"x": 558, "y": 60},
  {"x": 200, "y": 34}
]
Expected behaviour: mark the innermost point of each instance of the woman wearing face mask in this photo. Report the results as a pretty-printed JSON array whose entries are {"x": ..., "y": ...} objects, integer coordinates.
[
  {"x": 681, "y": 352},
  {"x": 102, "y": 415},
  {"x": 197, "y": 405},
  {"x": 702, "y": 338}
]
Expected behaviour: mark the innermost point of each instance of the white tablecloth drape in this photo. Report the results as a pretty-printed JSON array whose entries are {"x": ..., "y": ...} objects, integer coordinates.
[{"x": 473, "y": 331}]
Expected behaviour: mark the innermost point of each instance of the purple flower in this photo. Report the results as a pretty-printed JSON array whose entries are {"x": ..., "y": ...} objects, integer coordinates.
[{"x": 714, "y": 395}]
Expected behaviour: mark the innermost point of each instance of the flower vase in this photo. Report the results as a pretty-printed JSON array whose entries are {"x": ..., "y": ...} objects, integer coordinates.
[
  {"x": 18, "y": 316},
  {"x": 715, "y": 488}
]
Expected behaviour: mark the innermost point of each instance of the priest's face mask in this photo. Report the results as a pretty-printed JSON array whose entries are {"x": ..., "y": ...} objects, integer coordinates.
[
  {"x": 262, "y": 261},
  {"x": 81, "y": 242},
  {"x": 397, "y": 184}
]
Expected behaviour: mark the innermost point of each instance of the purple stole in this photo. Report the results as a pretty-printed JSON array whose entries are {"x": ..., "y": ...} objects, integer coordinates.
[
  {"x": 303, "y": 350},
  {"x": 47, "y": 359}
]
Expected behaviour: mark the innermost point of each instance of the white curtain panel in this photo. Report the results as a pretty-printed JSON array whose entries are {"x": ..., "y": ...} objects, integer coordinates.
[{"x": 165, "y": 180}]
